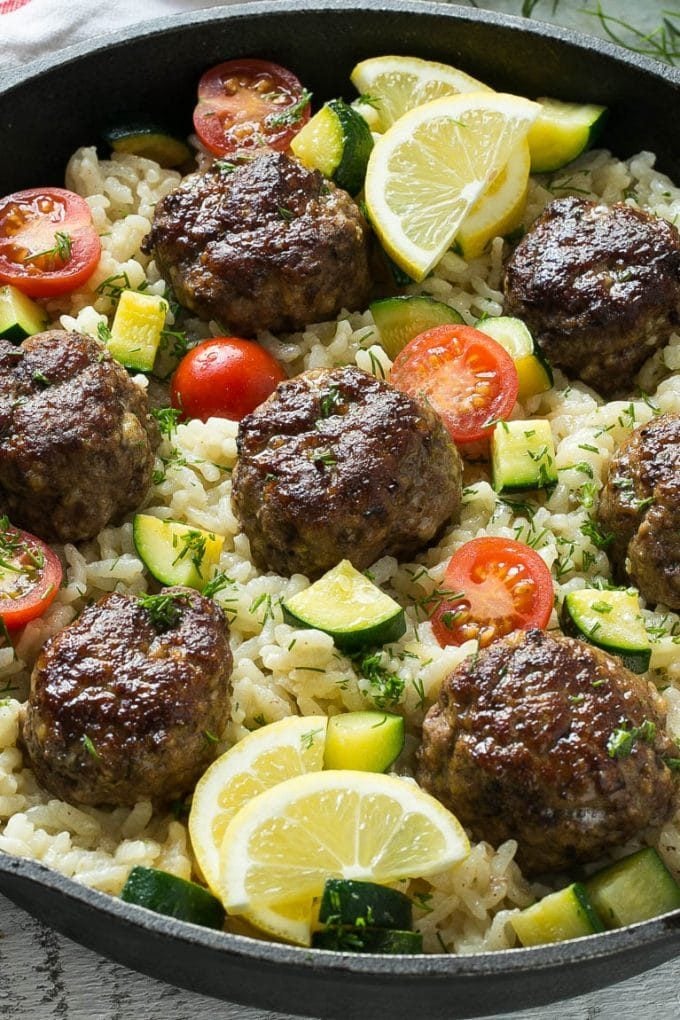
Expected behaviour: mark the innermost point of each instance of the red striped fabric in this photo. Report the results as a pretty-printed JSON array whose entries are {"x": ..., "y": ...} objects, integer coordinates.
[{"x": 7, "y": 6}]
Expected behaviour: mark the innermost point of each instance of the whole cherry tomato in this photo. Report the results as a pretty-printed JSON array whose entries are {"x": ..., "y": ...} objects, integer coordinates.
[{"x": 225, "y": 377}]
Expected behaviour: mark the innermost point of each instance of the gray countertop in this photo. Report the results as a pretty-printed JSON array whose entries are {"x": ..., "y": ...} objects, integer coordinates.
[{"x": 45, "y": 976}]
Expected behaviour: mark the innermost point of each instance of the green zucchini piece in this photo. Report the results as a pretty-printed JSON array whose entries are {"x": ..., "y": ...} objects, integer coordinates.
[
  {"x": 561, "y": 132},
  {"x": 534, "y": 372},
  {"x": 368, "y": 940},
  {"x": 634, "y": 889},
  {"x": 337, "y": 141},
  {"x": 349, "y": 607},
  {"x": 611, "y": 620},
  {"x": 365, "y": 741},
  {"x": 400, "y": 319},
  {"x": 175, "y": 897},
  {"x": 147, "y": 139},
  {"x": 347, "y": 902},
  {"x": 19, "y": 316},
  {"x": 567, "y": 914},
  {"x": 176, "y": 553},
  {"x": 522, "y": 456},
  {"x": 137, "y": 330}
]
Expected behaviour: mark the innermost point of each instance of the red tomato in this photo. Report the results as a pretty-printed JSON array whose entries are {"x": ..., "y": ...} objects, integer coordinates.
[
  {"x": 224, "y": 378},
  {"x": 500, "y": 585},
  {"x": 468, "y": 378},
  {"x": 48, "y": 244},
  {"x": 30, "y": 575},
  {"x": 244, "y": 104}
]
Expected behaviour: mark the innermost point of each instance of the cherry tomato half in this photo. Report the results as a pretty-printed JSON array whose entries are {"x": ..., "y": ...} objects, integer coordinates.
[
  {"x": 469, "y": 379},
  {"x": 48, "y": 243},
  {"x": 224, "y": 378},
  {"x": 498, "y": 585},
  {"x": 30, "y": 576},
  {"x": 244, "y": 104}
]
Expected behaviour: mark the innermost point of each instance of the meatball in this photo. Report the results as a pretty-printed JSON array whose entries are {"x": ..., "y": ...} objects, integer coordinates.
[
  {"x": 126, "y": 702},
  {"x": 640, "y": 509},
  {"x": 339, "y": 465},
  {"x": 76, "y": 439},
  {"x": 552, "y": 742},
  {"x": 599, "y": 286},
  {"x": 269, "y": 245}
]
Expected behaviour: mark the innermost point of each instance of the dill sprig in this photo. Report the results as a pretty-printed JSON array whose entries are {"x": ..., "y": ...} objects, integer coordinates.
[{"x": 163, "y": 609}]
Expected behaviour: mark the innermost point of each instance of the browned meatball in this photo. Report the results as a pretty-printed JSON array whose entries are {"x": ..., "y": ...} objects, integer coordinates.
[
  {"x": 126, "y": 703},
  {"x": 640, "y": 508},
  {"x": 76, "y": 440},
  {"x": 339, "y": 465},
  {"x": 528, "y": 742},
  {"x": 599, "y": 287},
  {"x": 269, "y": 245}
]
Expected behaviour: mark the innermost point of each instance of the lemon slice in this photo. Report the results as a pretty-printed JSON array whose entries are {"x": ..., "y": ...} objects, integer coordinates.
[
  {"x": 266, "y": 757},
  {"x": 500, "y": 208},
  {"x": 284, "y": 844},
  {"x": 395, "y": 85},
  {"x": 428, "y": 170}
]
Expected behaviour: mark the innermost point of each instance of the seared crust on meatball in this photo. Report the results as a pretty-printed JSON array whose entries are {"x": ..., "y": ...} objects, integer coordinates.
[
  {"x": 640, "y": 508},
  {"x": 339, "y": 465},
  {"x": 270, "y": 245},
  {"x": 521, "y": 746},
  {"x": 76, "y": 439},
  {"x": 122, "y": 709},
  {"x": 599, "y": 287}
]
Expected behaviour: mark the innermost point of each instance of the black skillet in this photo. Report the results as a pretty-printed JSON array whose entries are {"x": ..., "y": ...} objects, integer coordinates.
[{"x": 58, "y": 104}]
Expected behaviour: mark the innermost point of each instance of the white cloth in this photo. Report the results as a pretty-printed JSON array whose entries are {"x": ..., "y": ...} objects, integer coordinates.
[{"x": 32, "y": 28}]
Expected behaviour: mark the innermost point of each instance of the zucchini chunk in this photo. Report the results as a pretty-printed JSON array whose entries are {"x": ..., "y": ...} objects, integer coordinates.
[
  {"x": 175, "y": 897},
  {"x": 137, "y": 329},
  {"x": 176, "y": 553},
  {"x": 567, "y": 914},
  {"x": 347, "y": 902},
  {"x": 561, "y": 132},
  {"x": 522, "y": 456},
  {"x": 634, "y": 889},
  {"x": 368, "y": 940},
  {"x": 534, "y": 372},
  {"x": 337, "y": 141},
  {"x": 144, "y": 138},
  {"x": 349, "y": 607},
  {"x": 400, "y": 319},
  {"x": 19, "y": 316},
  {"x": 610, "y": 620},
  {"x": 365, "y": 741}
]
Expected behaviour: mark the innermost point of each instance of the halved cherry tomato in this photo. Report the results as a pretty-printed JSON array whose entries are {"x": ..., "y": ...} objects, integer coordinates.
[
  {"x": 245, "y": 104},
  {"x": 48, "y": 243},
  {"x": 498, "y": 585},
  {"x": 224, "y": 378},
  {"x": 30, "y": 576},
  {"x": 468, "y": 378}
]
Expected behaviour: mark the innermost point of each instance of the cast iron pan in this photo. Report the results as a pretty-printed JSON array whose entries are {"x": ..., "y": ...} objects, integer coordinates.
[{"x": 58, "y": 104}]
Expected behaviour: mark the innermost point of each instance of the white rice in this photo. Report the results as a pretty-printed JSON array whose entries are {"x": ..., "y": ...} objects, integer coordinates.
[{"x": 278, "y": 670}]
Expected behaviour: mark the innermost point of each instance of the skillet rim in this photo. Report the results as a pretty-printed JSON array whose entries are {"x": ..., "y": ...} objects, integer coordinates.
[
  {"x": 158, "y": 26},
  {"x": 497, "y": 963}
]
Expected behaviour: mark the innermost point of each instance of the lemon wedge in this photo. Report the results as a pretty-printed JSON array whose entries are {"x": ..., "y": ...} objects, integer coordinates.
[
  {"x": 428, "y": 170},
  {"x": 500, "y": 208},
  {"x": 395, "y": 85},
  {"x": 264, "y": 758},
  {"x": 283, "y": 845}
]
